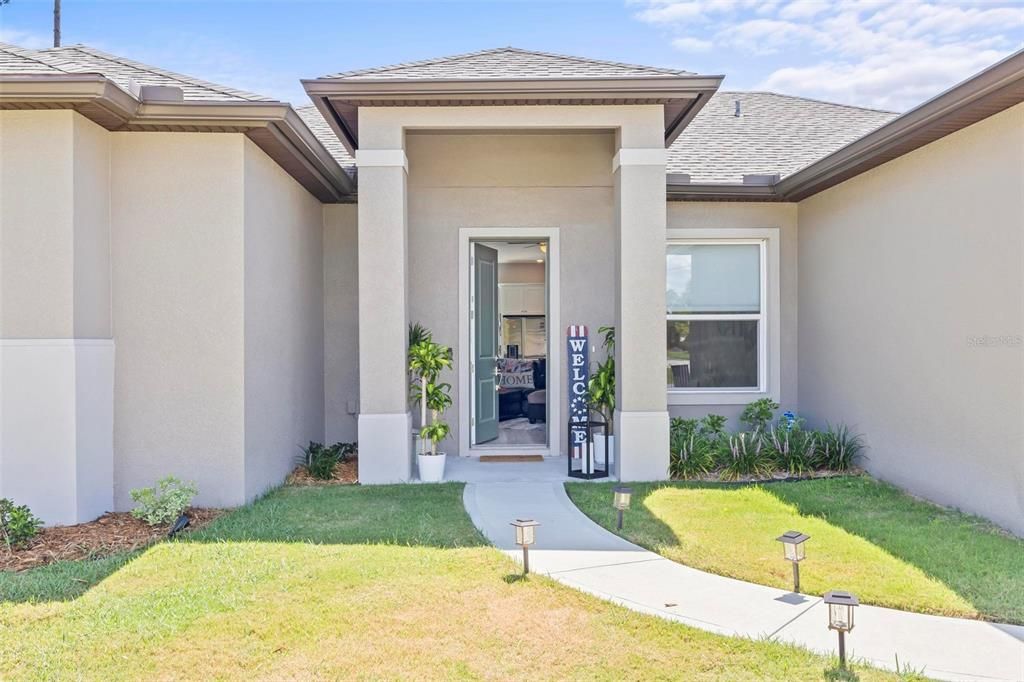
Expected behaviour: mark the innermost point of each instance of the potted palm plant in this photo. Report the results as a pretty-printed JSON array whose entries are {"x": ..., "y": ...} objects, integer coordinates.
[
  {"x": 427, "y": 360},
  {"x": 601, "y": 390}
]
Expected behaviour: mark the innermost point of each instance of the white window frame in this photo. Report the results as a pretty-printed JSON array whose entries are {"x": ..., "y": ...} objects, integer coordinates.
[{"x": 768, "y": 329}]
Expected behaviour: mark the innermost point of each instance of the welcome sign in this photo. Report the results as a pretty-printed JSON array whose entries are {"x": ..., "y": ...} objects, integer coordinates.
[{"x": 579, "y": 376}]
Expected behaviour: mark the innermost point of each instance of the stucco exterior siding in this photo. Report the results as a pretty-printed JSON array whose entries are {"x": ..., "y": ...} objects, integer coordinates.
[
  {"x": 284, "y": 321},
  {"x": 37, "y": 224},
  {"x": 341, "y": 321},
  {"x": 510, "y": 181},
  {"x": 902, "y": 270},
  {"x": 56, "y": 354},
  {"x": 720, "y": 215},
  {"x": 177, "y": 234}
]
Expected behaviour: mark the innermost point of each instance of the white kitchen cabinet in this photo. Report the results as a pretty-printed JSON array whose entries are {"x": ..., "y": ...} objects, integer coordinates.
[{"x": 521, "y": 299}]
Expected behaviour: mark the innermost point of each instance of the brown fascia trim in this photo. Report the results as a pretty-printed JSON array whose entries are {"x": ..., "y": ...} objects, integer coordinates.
[
  {"x": 692, "y": 91},
  {"x": 997, "y": 88},
  {"x": 120, "y": 110}
]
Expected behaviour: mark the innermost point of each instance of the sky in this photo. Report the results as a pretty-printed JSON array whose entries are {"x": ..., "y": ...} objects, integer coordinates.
[{"x": 883, "y": 54}]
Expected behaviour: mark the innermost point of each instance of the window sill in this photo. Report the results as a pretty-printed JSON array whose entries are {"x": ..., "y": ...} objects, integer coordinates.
[{"x": 718, "y": 398}]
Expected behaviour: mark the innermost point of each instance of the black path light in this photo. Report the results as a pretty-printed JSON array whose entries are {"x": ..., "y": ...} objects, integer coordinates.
[
  {"x": 793, "y": 544},
  {"x": 840, "y": 617},
  {"x": 526, "y": 535},
  {"x": 621, "y": 499}
]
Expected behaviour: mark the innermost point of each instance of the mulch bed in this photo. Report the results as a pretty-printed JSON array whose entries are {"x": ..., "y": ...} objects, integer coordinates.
[
  {"x": 345, "y": 473},
  {"x": 112, "y": 533}
]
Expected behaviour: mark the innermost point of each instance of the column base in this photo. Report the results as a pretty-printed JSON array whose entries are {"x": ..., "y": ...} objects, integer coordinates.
[
  {"x": 641, "y": 446},
  {"x": 385, "y": 448}
]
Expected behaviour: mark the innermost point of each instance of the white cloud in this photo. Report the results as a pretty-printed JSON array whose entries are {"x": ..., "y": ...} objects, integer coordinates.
[
  {"x": 29, "y": 39},
  {"x": 883, "y": 53},
  {"x": 803, "y": 9},
  {"x": 687, "y": 44}
]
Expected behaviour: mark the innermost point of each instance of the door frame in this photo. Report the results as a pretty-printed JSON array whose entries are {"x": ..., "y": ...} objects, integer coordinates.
[{"x": 554, "y": 326}]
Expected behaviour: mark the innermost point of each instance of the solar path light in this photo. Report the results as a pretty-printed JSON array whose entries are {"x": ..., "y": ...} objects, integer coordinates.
[
  {"x": 525, "y": 536},
  {"x": 793, "y": 545},
  {"x": 840, "y": 617},
  {"x": 621, "y": 499}
]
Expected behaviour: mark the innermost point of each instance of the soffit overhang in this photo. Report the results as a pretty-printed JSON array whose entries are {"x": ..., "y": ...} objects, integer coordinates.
[
  {"x": 339, "y": 99},
  {"x": 273, "y": 126}
]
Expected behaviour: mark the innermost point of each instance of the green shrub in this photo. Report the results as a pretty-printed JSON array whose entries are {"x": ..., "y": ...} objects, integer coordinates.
[
  {"x": 744, "y": 455},
  {"x": 712, "y": 426},
  {"x": 759, "y": 414},
  {"x": 792, "y": 448},
  {"x": 691, "y": 450},
  {"x": 838, "y": 448},
  {"x": 163, "y": 503},
  {"x": 320, "y": 459},
  {"x": 18, "y": 524}
]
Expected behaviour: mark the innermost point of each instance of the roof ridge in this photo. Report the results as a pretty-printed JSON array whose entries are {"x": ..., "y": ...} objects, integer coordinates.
[
  {"x": 181, "y": 78},
  {"x": 508, "y": 48},
  {"x": 591, "y": 60},
  {"x": 28, "y": 53},
  {"x": 419, "y": 62},
  {"x": 806, "y": 99}
]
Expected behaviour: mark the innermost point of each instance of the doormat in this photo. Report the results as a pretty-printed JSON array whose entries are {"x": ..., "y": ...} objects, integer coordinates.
[{"x": 511, "y": 458}]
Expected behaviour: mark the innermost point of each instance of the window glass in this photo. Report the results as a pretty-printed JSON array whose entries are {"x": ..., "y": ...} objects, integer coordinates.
[
  {"x": 712, "y": 354},
  {"x": 714, "y": 278}
]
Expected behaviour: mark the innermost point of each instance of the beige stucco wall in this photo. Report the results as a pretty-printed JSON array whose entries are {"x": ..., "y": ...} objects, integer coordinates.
[
  {"x": 901, "y": 269},
  {"x": 177, "y": 234},
  {"x": 510, "y": 181},
  {"x": 36, "y": 224},
  {"x": 341, "y": 321},
  {"x": 56, "y": 356},
  {"x": 284, "y": 321},
  {"x": 732, "y": 215}
]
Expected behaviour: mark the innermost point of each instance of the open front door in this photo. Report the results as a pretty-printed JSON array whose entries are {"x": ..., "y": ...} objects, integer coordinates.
[{"x": 484, "y": 315}]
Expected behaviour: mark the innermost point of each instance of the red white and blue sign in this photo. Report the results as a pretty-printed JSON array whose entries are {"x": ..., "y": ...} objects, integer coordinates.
[{"x": 579, "y": 377}]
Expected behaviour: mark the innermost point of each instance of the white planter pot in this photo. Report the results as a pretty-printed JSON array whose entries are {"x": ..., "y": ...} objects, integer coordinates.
[
  {"x": 431, "y": 467},
  {"x": 599, "y": 449}
]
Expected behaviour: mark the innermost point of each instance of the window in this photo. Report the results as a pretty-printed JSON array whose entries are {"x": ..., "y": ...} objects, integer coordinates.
[{"x": 716, "y": 323}]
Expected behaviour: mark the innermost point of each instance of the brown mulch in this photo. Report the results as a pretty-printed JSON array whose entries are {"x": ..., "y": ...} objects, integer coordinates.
[
  {"x": 345, "y": 473},
  {"x": 112, "y": 533}
]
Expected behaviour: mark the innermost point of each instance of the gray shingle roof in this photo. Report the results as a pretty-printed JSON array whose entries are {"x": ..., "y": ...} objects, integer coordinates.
[
  {"x": 83, "y": 59},
  {"x": 508, "y": 62},
  {"x": 314, "y": 120},
  {"x": 15, "y": 59},
  {"x": 773, "y": 134}
]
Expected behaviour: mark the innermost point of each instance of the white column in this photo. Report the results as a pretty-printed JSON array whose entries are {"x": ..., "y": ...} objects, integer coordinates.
[
  {"x": 641, "y": 417},
  {"x": 385, "y": 425}
]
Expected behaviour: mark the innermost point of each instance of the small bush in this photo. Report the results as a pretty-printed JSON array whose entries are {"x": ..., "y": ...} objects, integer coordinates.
[
  {"x": 759, "y": 414},
  {"x": 163, "y": 503},
  {"x": 745, "y": 455},
  {"x": 320, "y": 459},
  {"x": 691, "y": 452},
  {"x": 18, "y": 524},
  {"x": 793, "y": 448},
  {"x": 838, "y": 448},
  {"x": 712, "y": 427}
]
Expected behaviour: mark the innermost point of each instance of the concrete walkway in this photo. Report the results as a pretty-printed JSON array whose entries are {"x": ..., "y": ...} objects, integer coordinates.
[{"x": 574, "y": 550}]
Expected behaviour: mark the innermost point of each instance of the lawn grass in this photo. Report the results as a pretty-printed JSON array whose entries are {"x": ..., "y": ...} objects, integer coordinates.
[
  {"x": 867, "y": 537},
  {"x": 347, "y": 582}
]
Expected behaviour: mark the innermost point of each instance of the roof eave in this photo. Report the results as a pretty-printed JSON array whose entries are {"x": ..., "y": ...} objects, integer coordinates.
[
  {"x": 995, "y": 89},
  {"x": 100, "y": 99},
  {"x": 688, "y": 93}
]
